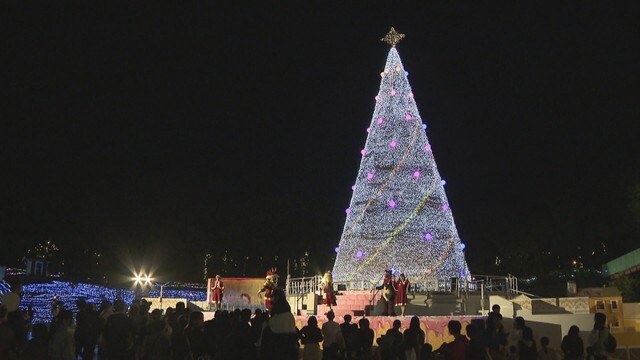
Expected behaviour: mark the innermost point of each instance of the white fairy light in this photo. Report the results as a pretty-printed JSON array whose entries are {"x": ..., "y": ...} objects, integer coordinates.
[{"x": 400, "y": 218}]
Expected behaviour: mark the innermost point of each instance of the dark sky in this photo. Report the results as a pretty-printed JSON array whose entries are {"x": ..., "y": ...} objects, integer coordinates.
[{"x": 174, "y": 130}]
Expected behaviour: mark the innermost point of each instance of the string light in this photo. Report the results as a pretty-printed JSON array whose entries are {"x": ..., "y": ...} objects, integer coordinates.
[
  {"x": 419, "y": 238},
  {"x": 39, "y": 296}
]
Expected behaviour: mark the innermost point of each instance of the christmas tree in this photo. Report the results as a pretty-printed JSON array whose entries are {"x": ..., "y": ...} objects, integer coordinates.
[{"x": 399, "y": 217}]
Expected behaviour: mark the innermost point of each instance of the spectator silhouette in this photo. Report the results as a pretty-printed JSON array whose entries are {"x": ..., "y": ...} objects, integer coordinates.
[
  {"x": 311, "y": 336},
  {"x": 390, "y": 342},
  {"x": 363, "y": 340},
  {"x": 62, "y": 345},
  {"x": 413, "y": 340},
  {"x": 572, "y": 345},
  {"x": 279, "y": 335}
]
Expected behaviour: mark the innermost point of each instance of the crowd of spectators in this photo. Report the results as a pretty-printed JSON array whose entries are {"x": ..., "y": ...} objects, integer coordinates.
[{"x": 118, "y": 331}]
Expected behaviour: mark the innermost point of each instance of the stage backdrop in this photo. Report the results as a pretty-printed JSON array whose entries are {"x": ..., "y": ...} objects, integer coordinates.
[{"x": 239, "y": 291}]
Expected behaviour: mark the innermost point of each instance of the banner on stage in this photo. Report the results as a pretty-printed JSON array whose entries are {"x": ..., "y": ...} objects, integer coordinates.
[{"x": 238, "y": 290}]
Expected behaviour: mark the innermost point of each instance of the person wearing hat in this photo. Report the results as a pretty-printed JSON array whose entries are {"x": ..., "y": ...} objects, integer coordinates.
[{"x": 270, "y": 284}]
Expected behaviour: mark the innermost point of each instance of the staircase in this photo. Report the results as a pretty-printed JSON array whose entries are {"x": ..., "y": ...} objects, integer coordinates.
[{"x": 352, "y": 302}]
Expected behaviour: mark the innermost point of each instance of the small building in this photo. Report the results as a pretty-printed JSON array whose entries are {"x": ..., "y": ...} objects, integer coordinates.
[
  {"x": 36, "y": 267},
  {"x": 607, "y": 300}
]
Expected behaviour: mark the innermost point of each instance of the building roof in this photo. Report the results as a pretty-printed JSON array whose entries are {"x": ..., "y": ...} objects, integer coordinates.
[
  {"x": 625, "y": 264},
  {"x": 600, "y": 291}
]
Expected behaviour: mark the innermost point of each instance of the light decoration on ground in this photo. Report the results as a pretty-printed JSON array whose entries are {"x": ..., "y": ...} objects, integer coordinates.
[
  {"x": 418, "y": 238},
  {"x": 40, "y": 296}
]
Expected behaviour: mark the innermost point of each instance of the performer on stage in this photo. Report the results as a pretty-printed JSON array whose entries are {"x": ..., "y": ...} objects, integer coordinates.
[
  {"x": 401, "y": 298},
  {"x": 270, "y": 284},
  {"x": 217, "y": 289},
  {"x": 327, "y": 288},
  {"x": 388, "y": 288}
]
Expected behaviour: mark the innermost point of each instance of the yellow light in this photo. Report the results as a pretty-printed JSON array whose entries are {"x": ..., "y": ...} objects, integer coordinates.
[{"x": 137, "y": 279}]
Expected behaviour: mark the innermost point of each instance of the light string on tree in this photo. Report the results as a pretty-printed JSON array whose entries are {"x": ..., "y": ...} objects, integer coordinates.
[{"x": 398, "y": 197}]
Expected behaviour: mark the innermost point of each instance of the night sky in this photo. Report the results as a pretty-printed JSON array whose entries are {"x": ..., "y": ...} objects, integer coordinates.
[{"x": 157, "y": 134}]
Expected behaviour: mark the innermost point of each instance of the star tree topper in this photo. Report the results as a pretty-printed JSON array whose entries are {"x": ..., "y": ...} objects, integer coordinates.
[{"x": 393, "y": 37}]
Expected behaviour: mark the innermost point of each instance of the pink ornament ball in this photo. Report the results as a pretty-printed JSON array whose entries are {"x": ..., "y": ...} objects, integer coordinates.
[
  {"x": 348, "y": 211},
  {"x": 408, "y": 117},
  {"x": 445, "y": 207},
  {"x": 337, "y": 249},
  {"x": 369, "y": 176},
  {"x": 377, "y": 97},
  {"x": 427, "y": 148},
  {"x": 428, "y": 236},
  {"x": 368, "y": 130},
  {"x": 353, "y": 187},
  {"x": 359, "y": 254},
  {"x": 411, "y": 95},
  {"x": 380, "y": 121},
  {"x": 393, "y": 93},
  {"x": 393, "y": 144},
  {"x": 363, "y": 151},
  {"x": 416, "y": 174},
  {"x": 392, "y": 204}
]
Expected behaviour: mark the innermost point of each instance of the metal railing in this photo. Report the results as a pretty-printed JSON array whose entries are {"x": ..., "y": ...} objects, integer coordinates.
[
  {"x": 460, "y": 286},
  {"x": 303, "y": 285}
]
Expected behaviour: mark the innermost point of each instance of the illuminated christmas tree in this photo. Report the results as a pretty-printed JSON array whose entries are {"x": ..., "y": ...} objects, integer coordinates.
[{"x": 399, "y": 217}]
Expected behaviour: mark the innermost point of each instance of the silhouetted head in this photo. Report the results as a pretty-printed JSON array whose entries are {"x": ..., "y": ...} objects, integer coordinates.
[
  {"x": 600, "y": 319},
  {"x": 313, "y": 322},
  {"x": 454, "y": 327},
  {"x": 363, "y": 323},
  {"x": 574, "y": 330}
]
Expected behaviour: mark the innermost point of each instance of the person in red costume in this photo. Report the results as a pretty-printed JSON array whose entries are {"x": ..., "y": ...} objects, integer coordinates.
[
  {"x": 327, "y": 288},
  {"x": 217, "y": 289},
  {"x": 270, "y": 284},
  {"x": 401, "y": 297}
]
